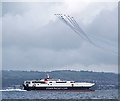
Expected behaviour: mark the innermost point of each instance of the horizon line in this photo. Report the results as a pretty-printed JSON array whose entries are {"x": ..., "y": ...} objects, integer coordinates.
[{"x": 63, "y": 70}]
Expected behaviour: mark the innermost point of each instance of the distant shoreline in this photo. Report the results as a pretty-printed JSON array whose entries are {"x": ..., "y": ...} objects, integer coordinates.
[
  {"x": 59, "y": 70},
  {"x": 11, "y": 77}
]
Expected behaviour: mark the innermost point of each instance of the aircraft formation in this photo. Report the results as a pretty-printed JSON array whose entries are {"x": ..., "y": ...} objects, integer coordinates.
[{"x": 72, "y": 23}]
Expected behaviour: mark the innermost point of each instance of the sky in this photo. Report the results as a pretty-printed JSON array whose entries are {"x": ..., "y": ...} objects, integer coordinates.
[{"x": 33, "y": 38}]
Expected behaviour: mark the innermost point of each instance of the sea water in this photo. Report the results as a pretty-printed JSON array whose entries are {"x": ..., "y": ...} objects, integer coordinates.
[{"x": 23, "y": 94}]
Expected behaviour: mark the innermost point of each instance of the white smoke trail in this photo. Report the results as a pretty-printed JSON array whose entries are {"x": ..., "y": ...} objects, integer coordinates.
[
  {"x": 67, "y": 23},
  {"x": 72, "y": 23}
]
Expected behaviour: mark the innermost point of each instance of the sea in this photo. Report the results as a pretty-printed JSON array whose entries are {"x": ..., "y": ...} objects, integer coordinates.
[{"x": 23, "y": 94}]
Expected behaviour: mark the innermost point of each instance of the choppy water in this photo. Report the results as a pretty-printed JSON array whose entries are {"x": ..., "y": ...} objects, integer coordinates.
[{"x": 22, "y": 94}]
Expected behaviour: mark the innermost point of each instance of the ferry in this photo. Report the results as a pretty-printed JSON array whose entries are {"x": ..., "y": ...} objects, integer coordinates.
[{"x": 50, "y": 84}]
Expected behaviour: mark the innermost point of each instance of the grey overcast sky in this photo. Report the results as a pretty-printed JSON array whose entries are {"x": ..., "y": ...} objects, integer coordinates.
[{"x": 35, "y": 39}]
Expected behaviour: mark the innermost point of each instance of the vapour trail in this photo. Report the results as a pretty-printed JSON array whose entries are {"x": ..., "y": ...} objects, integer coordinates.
[
  {"x": 94, "y": 38},
  {"x": 74, "y": 28},
  {"x": 73, "y": 22},
  {"x": 70, "y": 21},
  {"x": 67, "y": 23},
  {"x": 89, "y": 38},
  {"x": 63, "y": 20},
  {"x": 80, "y": 30}
]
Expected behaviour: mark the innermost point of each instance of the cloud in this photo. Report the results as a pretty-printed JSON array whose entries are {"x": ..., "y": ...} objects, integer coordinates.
[{"x": 34, "y": 39}]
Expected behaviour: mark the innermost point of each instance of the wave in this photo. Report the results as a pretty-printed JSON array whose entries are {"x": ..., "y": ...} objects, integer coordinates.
[{"x": 12, "y": 90}]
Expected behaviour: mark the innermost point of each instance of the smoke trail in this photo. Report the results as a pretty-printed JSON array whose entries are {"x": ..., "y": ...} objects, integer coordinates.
[
  {"x": 67, "y": 23},
  {"x": 75, "y": 24},
  {"x": 73, "y": 27},
  {"x": 63, "y": 20},
  {"x": 77, "y": 29},
  {"x": 85, "y": 37},
  {"x": 80, "y": 29},
  {"x": 70, "y": 21},
  {"x": 60, "y": 16}
]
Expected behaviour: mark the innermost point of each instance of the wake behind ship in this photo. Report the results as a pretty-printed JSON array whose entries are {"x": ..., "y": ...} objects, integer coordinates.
[{"x": 56, "y": 84}]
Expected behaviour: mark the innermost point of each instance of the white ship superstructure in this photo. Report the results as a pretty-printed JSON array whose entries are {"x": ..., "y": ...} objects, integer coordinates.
[{"x": 56, "y": 84}]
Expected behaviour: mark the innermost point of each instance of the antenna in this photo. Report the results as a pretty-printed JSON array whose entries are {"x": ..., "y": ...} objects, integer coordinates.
[{"x": 48, "y": 76}]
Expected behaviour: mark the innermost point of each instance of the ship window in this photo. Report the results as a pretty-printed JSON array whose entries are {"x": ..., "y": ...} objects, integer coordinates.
[
  {"x": 61, "y": 82},
  {"x": 38, "y": 82},
  {"x": 27, "y": 82},
  {"x": 72, "y": 82},
  {"x": 50, "y": 82}
]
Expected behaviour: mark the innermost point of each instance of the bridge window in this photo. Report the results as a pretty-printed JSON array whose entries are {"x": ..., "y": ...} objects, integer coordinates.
[
  {"x": 27, "y": 82},
  {"x": 38, "y": 82},
  {"x": 60, "y": 82},
  {"x": 72, "y": 82}
]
